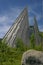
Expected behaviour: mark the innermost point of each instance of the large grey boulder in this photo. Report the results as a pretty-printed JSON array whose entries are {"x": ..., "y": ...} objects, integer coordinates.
[{"x": 32, "y": 57}]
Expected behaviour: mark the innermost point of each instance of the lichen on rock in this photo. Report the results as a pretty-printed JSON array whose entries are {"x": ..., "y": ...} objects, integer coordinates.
[{"x": 32, "y": 57}]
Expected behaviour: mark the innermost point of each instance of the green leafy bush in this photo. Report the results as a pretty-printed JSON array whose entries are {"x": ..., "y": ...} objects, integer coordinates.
[
  {"x": 33, "y": 45},
  {"x": 32, "y": 41},
  {"x": 12, "y": 56}
]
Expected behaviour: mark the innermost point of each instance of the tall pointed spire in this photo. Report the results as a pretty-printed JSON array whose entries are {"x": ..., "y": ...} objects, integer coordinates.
[
  {"x": 36, "y": 31},
  {"x": 18, "y": 29}
]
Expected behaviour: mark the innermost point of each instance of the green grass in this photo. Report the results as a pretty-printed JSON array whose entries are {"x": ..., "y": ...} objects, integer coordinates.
[{"x": 12, "y": 56}]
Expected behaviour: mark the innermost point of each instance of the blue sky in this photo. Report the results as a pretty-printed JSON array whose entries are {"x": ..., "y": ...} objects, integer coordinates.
[{"x": 10, "y": 9}]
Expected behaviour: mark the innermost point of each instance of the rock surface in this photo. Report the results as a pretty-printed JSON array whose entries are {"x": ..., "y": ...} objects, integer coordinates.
[{"x": 32, "y": 57}]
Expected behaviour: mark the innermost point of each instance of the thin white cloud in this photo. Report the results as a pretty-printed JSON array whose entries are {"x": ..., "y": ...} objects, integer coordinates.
[
  {"x": 32, "y": 11},
  {"x": 38, "y": 16},
  {"x": 3, "y": 18},
  {"x": 41, "y": 28},
  {"x": 7, "y": 20},
  {"x": 3, "y": 30}
]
